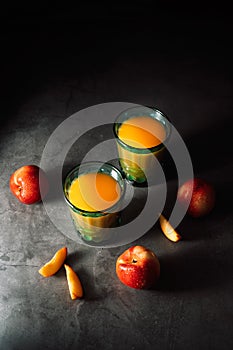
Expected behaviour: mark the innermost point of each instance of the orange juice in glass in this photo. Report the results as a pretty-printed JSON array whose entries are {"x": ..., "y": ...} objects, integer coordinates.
[
  {"x": 141, "y": 133},
  {"x": 93, "y": 192}
]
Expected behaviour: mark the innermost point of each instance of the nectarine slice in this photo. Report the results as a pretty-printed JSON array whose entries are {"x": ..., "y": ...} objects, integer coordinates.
[
  {"x": 74, "y": 284},
  {"x": 52, "y": 266},
  {"x": 168, "y": 230}
]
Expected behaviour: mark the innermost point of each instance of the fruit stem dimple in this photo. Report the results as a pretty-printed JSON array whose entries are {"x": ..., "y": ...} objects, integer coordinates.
[{"x": 134, "y": 260}]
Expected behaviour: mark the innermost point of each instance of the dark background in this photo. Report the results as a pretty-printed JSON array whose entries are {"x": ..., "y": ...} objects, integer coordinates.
[
  {"x": 44, "y": 44},
  {"x": 41, "y": 42},
  {"x": 181, "y": 42},
  {"x": 56, "y": 60}
]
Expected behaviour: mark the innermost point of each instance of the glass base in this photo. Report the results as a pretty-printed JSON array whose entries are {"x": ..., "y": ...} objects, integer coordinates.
[
  {"x": 133, "y": 177},
  {"x": 96, "y": 235}
]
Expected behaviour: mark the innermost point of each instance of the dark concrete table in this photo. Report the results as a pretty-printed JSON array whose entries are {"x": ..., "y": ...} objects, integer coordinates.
[{"x": 56, "y": 63}]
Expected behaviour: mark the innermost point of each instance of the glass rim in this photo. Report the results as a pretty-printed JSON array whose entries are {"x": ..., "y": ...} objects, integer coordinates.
[
  {"x": 144, "y": 150},
  {"x": 96, "y": 213}
]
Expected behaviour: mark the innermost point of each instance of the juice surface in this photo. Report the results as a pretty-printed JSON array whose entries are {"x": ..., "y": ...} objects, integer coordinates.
[
  {"x": 142, "y": 132},
  {"x": 94, "y": 192}
]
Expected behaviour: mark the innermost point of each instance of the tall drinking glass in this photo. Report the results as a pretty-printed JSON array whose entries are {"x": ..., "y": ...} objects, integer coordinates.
[{"x": 141, "y": 134}]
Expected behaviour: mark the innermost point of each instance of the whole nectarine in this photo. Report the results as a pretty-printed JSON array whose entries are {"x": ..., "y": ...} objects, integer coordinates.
[
  {"x": 138, "y": 267},
  {"x": 28, "y": 184},
  {"x": 201, "y": 195}
]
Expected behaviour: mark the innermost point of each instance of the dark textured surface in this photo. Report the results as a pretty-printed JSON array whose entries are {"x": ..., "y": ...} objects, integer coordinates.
[{"x": 54, "y": 63}]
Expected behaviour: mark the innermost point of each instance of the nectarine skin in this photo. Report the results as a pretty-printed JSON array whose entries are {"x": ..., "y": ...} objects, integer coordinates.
[
  {"x": 25, "y": 184},
  {"x": 201, "y": 195},
  {"x": 138, "y": 267}
]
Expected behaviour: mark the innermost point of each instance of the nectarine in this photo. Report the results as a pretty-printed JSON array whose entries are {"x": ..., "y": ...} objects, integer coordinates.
[
  {"x": 52, "y": 266},
  {"x": 74, "y": 283},
  {"x": 201, "y": 195},
  {"x": 168, "y": 230},
  {"x": 138, "y": 267},
  {"x": 28, "y": 183}
]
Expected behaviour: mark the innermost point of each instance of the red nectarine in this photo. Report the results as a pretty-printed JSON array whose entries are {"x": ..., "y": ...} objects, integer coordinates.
[
  {"x": 28, "y": 183},
  {"x": 138, "y": 267},
  {"x": 201, "y": 195}
]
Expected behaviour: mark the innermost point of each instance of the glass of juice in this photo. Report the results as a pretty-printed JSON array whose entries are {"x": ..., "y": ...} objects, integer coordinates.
[
  {"x": 141, "y": 134},
  {"x": 94, "y": 192}
]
